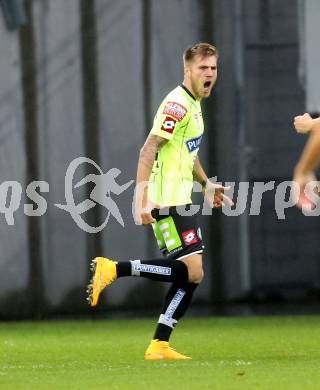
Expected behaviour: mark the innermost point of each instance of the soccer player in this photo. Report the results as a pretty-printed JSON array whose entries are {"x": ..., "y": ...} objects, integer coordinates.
[
  {"x": 168, "y": 164},
  {"x": 310, "y": 157}
]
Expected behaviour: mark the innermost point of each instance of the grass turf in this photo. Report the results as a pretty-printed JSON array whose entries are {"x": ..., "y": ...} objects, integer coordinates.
[{"x": 228, "y": 353}]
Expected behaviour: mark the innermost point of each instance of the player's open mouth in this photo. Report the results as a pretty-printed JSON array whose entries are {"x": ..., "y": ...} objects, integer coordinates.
[{"x": 207, "y": 84}]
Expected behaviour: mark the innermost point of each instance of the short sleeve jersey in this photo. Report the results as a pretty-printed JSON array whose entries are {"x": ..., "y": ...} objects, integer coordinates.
[{"x": 179, "y": 120}]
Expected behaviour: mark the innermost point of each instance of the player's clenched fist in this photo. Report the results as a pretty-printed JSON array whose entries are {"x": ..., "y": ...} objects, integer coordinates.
[{"x": 303, "y": 123}]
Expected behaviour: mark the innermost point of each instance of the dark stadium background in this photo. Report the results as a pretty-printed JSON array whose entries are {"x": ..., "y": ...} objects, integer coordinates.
[{"x": 84, "y": 78}]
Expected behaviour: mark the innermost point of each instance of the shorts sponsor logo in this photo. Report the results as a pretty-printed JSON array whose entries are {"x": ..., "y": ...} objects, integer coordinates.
[
  {"x": 175, "y": 110},
  {"x": 152, "y": 269},
  {"x": 193, "y": 143},
  {"x": 190, "y": 237},
  {"x": 169, "y": 124}
]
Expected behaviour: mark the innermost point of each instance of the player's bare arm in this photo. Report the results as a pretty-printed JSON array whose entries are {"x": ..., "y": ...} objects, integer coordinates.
[
  {"x": 213, "y": 192},
  {"x": 309, "y": 159},
  {"x": 146, "y": 160}
]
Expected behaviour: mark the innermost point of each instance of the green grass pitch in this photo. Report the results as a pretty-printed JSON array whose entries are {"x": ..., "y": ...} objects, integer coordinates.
[{"x": 228, "y": 353}]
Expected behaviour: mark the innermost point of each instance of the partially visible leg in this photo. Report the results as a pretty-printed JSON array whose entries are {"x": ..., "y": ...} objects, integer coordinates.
[
  {"x": 179, "y": 297},
  {"x": 177, "y": 301},
  {"x": 106, "y": 271}
]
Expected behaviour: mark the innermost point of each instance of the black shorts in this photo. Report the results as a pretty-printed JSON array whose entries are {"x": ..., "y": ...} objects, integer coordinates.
[{"x": 178, "y": 235}]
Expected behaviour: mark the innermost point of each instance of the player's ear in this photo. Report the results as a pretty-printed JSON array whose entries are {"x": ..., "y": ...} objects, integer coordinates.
[{"x": 186, "y": 70}]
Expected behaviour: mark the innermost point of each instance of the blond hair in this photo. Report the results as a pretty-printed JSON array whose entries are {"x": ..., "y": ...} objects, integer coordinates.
[{"x": 202, "y": 49}]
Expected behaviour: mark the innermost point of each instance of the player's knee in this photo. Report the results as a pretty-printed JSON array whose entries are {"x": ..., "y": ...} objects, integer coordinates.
[{"x": 196, "y": 275}]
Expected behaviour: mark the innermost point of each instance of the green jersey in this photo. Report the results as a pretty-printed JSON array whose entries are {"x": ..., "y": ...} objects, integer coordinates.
[{"x": 179, "y": 120}]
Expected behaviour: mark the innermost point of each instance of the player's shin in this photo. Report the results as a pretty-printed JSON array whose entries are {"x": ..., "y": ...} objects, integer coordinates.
[{"x": 177, "y": 301}]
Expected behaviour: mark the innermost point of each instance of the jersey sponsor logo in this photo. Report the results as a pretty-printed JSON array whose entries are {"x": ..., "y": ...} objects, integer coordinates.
[
  {"x": 190, "y": 237},
  {"x": 175, "y": 110},
  {"x": 193, "y": 143},
  {"x": 168, "y": 125}
]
